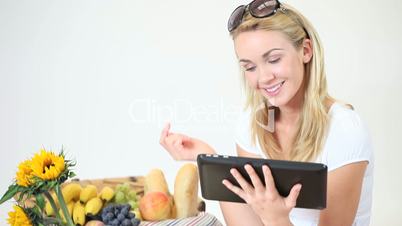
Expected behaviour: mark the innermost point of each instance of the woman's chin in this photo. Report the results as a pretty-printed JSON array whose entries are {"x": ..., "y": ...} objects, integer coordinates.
[{"x": 274, "y": 101}]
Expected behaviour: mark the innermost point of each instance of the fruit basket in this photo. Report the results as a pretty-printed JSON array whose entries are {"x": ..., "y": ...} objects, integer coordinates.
[
  {"x": 136, "y": 183},
  {"x": 46, "y": 193}
]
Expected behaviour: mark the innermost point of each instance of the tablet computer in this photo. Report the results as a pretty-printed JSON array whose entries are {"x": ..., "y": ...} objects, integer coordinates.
[{"x": 312, "y": 176}]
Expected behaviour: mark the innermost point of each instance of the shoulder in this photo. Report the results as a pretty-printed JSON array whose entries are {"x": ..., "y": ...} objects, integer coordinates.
[
  {"x": 348, "y": 138},
  {"x": 345, "y": 122}
]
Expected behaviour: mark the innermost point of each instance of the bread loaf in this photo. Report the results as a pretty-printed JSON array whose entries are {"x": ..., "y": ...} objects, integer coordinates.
[
  {"x": 186, "y": 191},
  {"x": 155, "y": 181}
]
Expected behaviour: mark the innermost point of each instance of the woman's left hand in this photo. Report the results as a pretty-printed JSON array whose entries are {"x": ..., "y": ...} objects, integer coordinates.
[{"x": 266, "y": 202}]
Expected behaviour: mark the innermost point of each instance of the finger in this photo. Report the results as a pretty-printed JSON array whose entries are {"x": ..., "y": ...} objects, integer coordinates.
[
  {"x": 269, "y": 180},
  {"x": 170, "y": 140},
  {"x": 242, "y": 182},
  {"x": 238, "y": 191},
  {"x": 185, "y": 138},
  {"x": 178, "y": 143},
  {"x": 292, "y": 197},
  {"x": 164, "y": 133},
  {"x": 254, "y": 178}
]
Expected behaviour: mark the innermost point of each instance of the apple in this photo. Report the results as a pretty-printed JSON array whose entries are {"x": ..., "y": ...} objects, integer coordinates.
[{"x": 155, "y": 206}]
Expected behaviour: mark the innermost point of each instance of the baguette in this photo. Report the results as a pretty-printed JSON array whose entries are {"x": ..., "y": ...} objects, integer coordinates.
[
  {"x": 186, "y": 191},
  {"x": 155, "y": 181}
]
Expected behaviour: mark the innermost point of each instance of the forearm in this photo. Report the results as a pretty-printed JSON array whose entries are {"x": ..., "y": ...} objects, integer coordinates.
[
  {"x": 238, "y": 214},
  {"x": 203, "y": 147}
]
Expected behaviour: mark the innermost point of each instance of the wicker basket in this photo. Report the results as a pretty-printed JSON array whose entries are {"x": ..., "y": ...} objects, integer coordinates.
[{"x": 137, "y": 184}]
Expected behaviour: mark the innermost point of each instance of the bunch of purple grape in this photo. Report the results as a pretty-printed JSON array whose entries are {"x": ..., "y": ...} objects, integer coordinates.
[{"x": 119, "y": 215}]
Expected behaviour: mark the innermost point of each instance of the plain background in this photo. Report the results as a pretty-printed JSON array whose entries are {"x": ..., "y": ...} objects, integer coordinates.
[{"x": 102, "y": 77}]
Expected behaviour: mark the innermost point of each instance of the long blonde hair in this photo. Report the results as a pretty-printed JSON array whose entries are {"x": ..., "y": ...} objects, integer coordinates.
[{"x": 314, "y": 120}]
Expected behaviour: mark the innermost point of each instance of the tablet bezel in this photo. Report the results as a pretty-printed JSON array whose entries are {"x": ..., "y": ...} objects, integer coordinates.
[{"x": 313, "y": 177}]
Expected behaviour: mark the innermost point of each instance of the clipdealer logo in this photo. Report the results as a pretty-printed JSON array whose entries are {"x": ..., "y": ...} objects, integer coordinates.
[{"x": 182, "y": 111}]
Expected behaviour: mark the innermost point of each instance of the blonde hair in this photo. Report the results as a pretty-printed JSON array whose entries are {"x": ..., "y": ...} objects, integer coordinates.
[{"x": 314, "y": 120}]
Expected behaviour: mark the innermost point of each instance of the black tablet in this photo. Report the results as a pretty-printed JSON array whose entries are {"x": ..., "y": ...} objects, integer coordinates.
[{"x": 312, "y": 176}]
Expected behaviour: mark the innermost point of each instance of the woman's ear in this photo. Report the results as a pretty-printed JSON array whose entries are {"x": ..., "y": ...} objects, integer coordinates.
[{"x": 307, "y": 50}]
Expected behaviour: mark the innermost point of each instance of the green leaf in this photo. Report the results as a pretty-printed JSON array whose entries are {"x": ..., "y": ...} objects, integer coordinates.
[
  {"x": 72, "y": 174},
  {"x": 12, "y": 190},
  {"x": 40, "y": 201}
]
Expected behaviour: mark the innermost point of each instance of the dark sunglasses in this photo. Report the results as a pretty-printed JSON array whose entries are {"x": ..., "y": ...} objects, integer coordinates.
[{"x": 257, "y": 8}]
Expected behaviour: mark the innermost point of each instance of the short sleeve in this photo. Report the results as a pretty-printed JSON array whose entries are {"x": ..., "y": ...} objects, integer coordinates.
[
  {"x": 243, "y": 134},
  {"x": 348, "y": 140}
]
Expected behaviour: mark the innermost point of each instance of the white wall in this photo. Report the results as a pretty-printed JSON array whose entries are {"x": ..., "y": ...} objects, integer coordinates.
[{"x": 81, "y": 73}]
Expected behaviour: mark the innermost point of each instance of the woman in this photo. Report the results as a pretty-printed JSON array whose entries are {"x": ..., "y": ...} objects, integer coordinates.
[{"x": 290, "y": 117}]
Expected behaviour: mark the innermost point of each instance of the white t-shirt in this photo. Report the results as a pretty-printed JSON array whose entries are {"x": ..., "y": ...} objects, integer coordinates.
[{"x": 347, "y": 141}]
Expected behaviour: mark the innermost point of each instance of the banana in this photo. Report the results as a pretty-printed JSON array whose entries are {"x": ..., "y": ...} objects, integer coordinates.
[
  {"x": 71, "y": 192},
  {"x": 79, "y": 214},
  {"x": 70, "y": 207},
  {"x": 106, "y": 194},
  {"x": 137, "y": 214},
  {"x": 93, "y": 206},
  {"x": 89, "y": 192},
  {"x": 48, "y": 208}
]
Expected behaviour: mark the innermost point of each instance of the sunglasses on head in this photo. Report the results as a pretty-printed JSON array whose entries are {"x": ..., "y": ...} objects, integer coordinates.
[{"x": 257, "y": 8}]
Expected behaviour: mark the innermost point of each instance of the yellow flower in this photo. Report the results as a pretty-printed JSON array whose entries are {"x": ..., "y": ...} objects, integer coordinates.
[
  {"x": 24, "y": 174},
  {"x": 47, "y": 166},
  {"x": 18, "y": 217}
]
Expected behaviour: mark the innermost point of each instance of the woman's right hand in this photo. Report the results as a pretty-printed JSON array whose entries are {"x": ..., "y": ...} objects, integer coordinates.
[{"x": 182, "y": 147}]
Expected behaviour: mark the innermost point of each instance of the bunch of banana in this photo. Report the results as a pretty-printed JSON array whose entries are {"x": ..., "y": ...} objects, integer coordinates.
[
  {"x": 71, "y": 193},
  {"x": 82, "y": 202}
]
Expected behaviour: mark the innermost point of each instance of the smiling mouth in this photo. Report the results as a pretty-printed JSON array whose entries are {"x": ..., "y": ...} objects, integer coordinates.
[{"x": 274, "y": 88}]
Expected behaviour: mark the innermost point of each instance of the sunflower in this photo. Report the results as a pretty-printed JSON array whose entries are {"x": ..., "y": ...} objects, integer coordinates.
[
  {"x": 18, "y": 217},
  {"x": 47, "y": 166},
  {"x": 24, "y": 174}
]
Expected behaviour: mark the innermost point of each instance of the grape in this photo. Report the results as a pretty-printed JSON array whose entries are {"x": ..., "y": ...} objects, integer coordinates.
[
  {"x": 119, "y": 214},
  {"x": 131, "y": 215},
  {"x": 133, "y": 204},
  {"x": 108, "y": 208},
  {"x": 109, "y": 216},
  {"x": 125, "y": 211},
  {"x": 116, "y": 212},
  {"x": 121, "y": 217},
  {"x": 115, "y": 222},
  {"x": 125, "y": 187},
  {"x": 135, "y": 222},
  {"x": 132, "y": 195},
  {"x": 119, "y": 197},
  {"x": 126, "y": 222}
]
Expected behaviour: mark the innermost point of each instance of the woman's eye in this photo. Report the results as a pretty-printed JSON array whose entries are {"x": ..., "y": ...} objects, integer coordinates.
[
  {"x": 274, "y": 60},
  {"x": 250, "y": 69}
]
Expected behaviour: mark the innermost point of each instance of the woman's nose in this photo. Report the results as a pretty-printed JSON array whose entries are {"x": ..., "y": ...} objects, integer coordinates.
[{"x": 265, "y": 75}]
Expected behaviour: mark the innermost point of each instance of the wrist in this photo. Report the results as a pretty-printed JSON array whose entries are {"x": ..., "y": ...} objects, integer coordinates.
[
  {"x": 278, "y": 222},
  {"x": 204, "y": 148}
]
